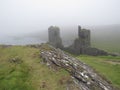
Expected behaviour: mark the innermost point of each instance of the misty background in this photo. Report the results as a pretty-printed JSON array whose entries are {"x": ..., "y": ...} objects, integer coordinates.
[{"x": 26, "y": 21}]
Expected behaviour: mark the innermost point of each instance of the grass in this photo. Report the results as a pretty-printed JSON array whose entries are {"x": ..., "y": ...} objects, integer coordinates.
[
  {"x": 30, "y": 74},
  {"x": 109, "y": 46},
  {"x": 111, "y": 71}
]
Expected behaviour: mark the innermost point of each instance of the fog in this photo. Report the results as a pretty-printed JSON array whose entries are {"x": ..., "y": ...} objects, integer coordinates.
[
  {"x": 18, "y": 17},
  {"x": 24, "y": 16}
]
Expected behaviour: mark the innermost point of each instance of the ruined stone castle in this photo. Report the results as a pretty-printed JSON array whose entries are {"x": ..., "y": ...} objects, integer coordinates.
[
  {"x": 81, "y": 45},
  {"x": 54, "y": 37},
  {"x": 82, "y": 42}
]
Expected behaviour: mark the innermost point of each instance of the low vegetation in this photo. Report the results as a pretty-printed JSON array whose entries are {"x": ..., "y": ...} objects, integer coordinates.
[
  {"x": 109, "y": 46},
  {"x": 107, "y": 66},
  {"x": 21, "y": 69}
]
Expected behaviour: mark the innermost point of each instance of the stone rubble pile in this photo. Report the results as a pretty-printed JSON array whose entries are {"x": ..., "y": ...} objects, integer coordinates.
[
  {"x": 16, "y": 60},
  {"x": 83, "y": 75}
]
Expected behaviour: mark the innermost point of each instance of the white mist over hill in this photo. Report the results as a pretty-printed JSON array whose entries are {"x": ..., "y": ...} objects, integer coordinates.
[{"x": 19, "y": 17}]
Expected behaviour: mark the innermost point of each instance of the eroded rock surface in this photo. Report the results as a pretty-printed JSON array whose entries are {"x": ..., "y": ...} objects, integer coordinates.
[{"x": 83, "y": 75}]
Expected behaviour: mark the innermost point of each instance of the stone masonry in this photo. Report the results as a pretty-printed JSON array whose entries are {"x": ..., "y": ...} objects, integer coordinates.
[
  {"x": 81, "y": 45},
  {"x": 54, "y": 37},
  {"x": 84, "y": 36},
  {"x": 83, "y": 40}
]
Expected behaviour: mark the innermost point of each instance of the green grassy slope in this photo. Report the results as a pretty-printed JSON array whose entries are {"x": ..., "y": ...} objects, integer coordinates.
[
  {"x": 106, "y": 66},
  {"x": 106, "y": 37},
  {"x": 109, "y": 45},
  {"x": 29, "y": 74}
]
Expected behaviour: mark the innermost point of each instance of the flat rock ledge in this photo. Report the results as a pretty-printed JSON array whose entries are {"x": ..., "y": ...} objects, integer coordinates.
[{"x": 83, "y": 75}]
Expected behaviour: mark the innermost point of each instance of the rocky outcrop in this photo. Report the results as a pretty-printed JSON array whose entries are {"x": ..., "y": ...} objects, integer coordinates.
[{"x": 83, "y": 75}]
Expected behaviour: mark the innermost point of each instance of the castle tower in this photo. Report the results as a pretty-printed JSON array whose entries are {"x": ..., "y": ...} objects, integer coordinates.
[
  {"x": 54, "y": 37},
  {"x": 83, "y": 41},
  {"x": 84, "y": 36},
  {"x": 79, "y": 30}
]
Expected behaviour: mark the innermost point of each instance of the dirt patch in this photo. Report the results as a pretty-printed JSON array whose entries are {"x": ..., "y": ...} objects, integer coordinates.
[{"x": 114, "y": 62}]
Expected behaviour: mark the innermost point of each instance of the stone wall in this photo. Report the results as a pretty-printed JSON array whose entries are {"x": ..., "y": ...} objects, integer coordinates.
[
  {"x": 84, "y": 36},
  {"x": 81, "y": 45},
  {"x": 54, "y": 37}
]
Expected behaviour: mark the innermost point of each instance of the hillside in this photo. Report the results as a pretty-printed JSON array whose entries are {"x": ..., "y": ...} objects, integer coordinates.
[
  {"x": 21, "y": 69},
  {"x": 106, "y": 37},
  {"x": 107, "y": 66}
]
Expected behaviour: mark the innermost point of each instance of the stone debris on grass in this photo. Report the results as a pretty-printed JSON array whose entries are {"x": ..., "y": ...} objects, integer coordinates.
[{"x": 16, "y": 60}]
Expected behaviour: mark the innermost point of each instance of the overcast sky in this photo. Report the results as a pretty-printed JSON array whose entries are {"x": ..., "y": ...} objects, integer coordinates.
[{"x": 22, "y": 16}]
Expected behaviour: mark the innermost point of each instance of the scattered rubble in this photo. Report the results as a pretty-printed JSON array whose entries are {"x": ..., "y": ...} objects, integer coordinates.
[
  {"x": 15, "y": 60},
  {"x": 83, "y": 75}
]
